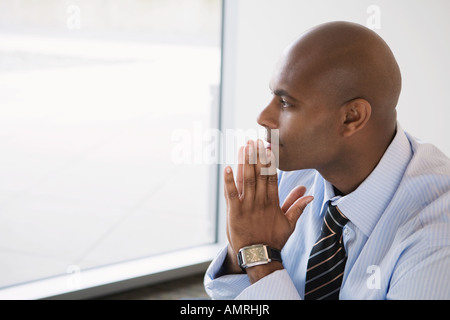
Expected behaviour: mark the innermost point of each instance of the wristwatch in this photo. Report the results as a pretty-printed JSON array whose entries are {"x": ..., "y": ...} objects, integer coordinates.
[{"x": 256, "y": 255}]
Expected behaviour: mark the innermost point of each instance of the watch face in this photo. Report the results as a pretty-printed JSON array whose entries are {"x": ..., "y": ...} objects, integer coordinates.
[{"x": 254, "y": 255}]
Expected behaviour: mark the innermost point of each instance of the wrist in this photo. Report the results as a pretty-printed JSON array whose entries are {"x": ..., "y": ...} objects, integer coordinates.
[
  {"x": 231, "y": 263},
  {"x": 257, "y": 254},
  {"x": 259, "y": 260}
]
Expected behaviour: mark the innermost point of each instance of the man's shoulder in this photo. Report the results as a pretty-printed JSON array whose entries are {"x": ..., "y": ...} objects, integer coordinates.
[
  {"x": 428, "y": 158},
  {"x": 417, "y": 217},
  {"x": 424, "y": 193},
  {"x": 427, "y": 176}
]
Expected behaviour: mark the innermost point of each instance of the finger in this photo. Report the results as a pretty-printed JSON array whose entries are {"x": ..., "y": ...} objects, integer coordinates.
[
  {"x": 249, "y": 173},
  {"x": 261, "y": 179},
  {"x": 272, "y": 177},
  {"x": 240, "y": 171},
  {"x": 262, "y": 154},
  {"x": 296, "y": 210},
  {"x": 231, "y": 192},
  {"x": 295, "y": 194}
]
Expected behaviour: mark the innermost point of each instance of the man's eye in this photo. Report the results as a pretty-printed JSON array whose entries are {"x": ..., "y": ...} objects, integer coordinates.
[{"x": 284, "y": 103}]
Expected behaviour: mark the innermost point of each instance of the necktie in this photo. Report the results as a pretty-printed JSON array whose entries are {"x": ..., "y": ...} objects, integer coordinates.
[{"x": 327, "y": 259}]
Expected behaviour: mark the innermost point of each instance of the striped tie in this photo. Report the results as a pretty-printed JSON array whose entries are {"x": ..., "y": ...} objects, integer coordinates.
[{"x": 327, "y": 259}]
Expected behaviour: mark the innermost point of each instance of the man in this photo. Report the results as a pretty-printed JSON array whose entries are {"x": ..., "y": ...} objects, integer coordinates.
[{"x": 376, "y": 221}]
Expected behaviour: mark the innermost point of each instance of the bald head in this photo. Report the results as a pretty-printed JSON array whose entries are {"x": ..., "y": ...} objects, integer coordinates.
[{"x": 345, "y": 61}]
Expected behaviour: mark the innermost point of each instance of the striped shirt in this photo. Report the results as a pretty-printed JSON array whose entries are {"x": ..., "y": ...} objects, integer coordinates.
[{"x": 397, "y": 240}]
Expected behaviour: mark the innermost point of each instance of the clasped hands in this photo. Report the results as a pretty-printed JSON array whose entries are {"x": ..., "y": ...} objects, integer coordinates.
[{"x": 254, "y": 215}]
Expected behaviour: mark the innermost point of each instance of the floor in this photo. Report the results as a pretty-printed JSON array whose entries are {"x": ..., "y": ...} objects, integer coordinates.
[{"x": 186, "y": 288}]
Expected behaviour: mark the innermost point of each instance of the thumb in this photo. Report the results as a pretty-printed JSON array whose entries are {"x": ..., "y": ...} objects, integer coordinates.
[
  {"x": 296, "y": 209},
  {"x": 294, "y": 195}
]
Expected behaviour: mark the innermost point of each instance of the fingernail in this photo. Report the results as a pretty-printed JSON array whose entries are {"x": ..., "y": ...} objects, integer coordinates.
[{"x": 228, "y": 170}]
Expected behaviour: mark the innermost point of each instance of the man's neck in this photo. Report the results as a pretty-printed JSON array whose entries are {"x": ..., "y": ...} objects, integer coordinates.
[{"x": 348, "y": 173}]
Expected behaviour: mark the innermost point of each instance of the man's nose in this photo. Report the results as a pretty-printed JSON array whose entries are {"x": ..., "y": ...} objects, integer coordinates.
[{"x": 268, "y": 117}]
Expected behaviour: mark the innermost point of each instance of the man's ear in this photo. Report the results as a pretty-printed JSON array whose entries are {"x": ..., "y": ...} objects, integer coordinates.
[{"x": 356, "y": 113}]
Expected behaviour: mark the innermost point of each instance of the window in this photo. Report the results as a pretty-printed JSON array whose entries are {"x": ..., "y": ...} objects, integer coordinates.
[{"x": 92, "y": 95}]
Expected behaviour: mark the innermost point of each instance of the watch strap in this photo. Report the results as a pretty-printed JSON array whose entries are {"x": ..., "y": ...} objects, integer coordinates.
[{"x": 274, "y": 254}]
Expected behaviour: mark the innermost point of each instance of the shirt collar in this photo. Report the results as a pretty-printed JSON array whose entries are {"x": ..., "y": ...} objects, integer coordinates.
[{"x": 364, "y": 206}]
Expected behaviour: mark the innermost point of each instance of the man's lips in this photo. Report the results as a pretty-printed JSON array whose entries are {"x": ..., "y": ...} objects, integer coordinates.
[
  {"x": 273, "y": 139},
  {"x": 271, "y": 145}
]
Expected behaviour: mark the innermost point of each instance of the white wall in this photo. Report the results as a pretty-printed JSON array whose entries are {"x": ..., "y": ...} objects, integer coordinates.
[{"x": 417, "y": 31}]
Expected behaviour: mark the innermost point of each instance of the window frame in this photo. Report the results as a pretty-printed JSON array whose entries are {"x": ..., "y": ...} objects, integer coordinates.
[{"x": 102, "y": 281}]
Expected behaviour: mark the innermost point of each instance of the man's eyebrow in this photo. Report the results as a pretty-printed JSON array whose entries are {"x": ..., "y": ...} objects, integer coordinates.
[{"x": 283, "y": 93}]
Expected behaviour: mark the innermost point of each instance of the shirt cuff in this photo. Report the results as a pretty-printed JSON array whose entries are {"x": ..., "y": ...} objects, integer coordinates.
[
  {"x": 223, "y": 287},
  {"x": 275, "y": 286}
]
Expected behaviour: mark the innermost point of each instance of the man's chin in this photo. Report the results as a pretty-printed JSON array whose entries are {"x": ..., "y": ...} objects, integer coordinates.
[
  {"x": 288, "y": 166},
  {"x": 283, "y": 166}
]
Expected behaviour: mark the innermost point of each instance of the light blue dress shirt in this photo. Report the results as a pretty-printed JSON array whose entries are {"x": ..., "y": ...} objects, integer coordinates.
[{"x": 397, "y": 240}]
